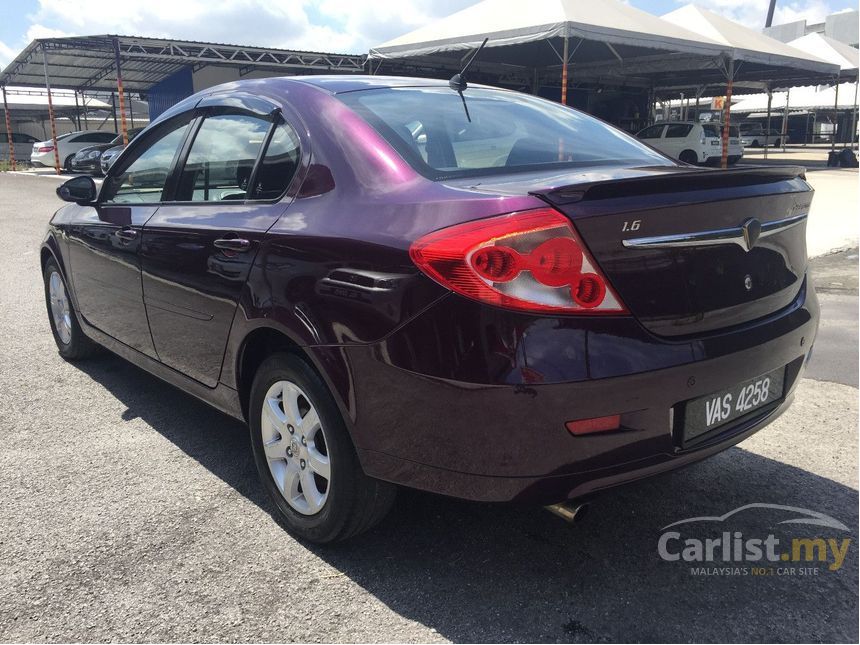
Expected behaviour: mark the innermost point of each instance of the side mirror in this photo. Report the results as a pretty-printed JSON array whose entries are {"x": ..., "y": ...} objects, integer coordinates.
[{"x": 80, "y": 190}]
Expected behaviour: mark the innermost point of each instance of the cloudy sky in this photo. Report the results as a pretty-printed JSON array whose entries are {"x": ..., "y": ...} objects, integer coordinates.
[{"x": 344, "y": 26}]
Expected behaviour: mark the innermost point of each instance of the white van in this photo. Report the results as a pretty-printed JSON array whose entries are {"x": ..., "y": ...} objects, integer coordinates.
[{"x": 693, "y": 142}]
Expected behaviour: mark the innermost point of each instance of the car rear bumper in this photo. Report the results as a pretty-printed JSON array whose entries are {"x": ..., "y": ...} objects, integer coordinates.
[{"x": 505, "y": 439}]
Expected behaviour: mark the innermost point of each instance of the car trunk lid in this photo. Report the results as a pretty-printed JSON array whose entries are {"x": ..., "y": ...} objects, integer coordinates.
[{"x": 695, "y": 251}]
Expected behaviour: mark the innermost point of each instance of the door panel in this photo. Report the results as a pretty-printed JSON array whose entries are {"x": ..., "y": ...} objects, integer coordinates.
[
  {"x": 103, "y": 246},
  {"x": 196, "y": 255},
  {"x": 191, "y": 287}
]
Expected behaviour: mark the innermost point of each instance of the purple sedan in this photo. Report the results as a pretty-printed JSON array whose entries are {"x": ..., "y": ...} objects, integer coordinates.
[{"x": 481, "y": 294}]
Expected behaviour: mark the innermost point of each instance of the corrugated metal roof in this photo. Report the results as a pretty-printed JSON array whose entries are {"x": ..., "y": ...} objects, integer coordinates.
[{"x": 87, "y": 62}]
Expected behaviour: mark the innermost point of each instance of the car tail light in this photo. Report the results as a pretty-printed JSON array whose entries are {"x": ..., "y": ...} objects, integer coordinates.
[
  {"x": 598, "y": 424},
  {"x": 44, "y": 148},
  {"x": 528, "y": 261}
]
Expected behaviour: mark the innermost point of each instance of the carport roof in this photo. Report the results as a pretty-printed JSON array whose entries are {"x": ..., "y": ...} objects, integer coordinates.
[{"x": 87, "y": 62}]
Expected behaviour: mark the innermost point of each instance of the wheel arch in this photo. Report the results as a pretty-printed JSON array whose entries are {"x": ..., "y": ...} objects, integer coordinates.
[{"x": 265, "y": 340}]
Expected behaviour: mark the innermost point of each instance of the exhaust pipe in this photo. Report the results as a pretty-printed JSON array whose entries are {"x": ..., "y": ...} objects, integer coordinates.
[{"x": 570, "y": 512}]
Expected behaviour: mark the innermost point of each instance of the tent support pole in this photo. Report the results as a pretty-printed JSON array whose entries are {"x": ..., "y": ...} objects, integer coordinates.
[
  {"x": 785, "y": 119},
  {"x": 51, "y": 112},
  {"x": 120, "y": 92},
  {"x": 77, "y": 111},
  {"x": 853, "y": 132},
  {"x": 9, "y": 131},
  {"x": 535, "y": 82},
  {"x": 131, "y": 110},
  {"x": 86, "y": 117},
  {"x": 727, "y": 109},
  {"x": 767, "y": 132},
  {"x": 113, "y": 110},
  {"x": 835, "y": 118},
  {"x": 564, "y": 72}
]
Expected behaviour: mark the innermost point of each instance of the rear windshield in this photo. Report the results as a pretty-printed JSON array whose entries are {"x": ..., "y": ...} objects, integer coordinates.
[
  {"x": 716, "y": 130},
  {"x": 502, "y": 132}
]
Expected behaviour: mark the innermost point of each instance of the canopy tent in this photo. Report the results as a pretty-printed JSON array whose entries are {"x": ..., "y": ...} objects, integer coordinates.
[
  {"x": 611, "y": 43},
  {"x": 744, "y": 44},
  {"x": 802, "y": 98},
  {"x": 511, "y": 22},
  {"x": 832, "y": 51},
  {"x": 750, "y": 54}
]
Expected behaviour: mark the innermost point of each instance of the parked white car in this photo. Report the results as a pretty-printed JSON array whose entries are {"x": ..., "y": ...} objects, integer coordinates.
[
  {"x": 22, "y": 145},
  {"x": 692, "y": 142},
  {"x": 69, "y": 144}
]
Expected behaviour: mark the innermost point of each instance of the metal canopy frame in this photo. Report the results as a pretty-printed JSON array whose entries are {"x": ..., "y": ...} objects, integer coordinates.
[
  {"x": 125, "y": 64},
  {"x": 88, "y": 62}
]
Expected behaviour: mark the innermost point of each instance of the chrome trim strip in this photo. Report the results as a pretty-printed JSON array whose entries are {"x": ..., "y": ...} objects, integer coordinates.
[{"x": 711, "y": 238}]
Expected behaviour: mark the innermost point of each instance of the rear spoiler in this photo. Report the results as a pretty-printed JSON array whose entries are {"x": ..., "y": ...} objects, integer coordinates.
[{"x": 683, "y": 180}]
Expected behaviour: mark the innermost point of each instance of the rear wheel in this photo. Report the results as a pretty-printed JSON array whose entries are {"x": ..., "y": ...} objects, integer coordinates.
[
  {"x": 754, "y": 144},
  {"x": 71, "y": 341},
  {"x": 67, "y": 166},
  {"x": 688, "y": 156},
  {"x": 305, "y": 458}
]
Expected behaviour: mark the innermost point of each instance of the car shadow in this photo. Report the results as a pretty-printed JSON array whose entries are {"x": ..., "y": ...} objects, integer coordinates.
[{"x": 501, "y": 573}]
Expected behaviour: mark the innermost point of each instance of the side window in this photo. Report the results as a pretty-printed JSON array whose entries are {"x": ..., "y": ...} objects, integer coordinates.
[
  {"x": 678, "y": 130},
  {"x": 651, "y": 133},
  {"x": 143, "y": 180},
  {"x": 222, "y": 158},
  {"x": 278, "y": 165}
]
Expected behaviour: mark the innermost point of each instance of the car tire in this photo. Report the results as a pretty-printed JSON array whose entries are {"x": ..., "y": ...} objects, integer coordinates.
[
  {"x": 71, "y": 341},
  {"x": 754, "y": 144},
  {"x": 688, "y": 156},
  {"x": 67, "y": 166},
  {"x": 731, "y": 161},
  {"x": 290, "y": 411}
]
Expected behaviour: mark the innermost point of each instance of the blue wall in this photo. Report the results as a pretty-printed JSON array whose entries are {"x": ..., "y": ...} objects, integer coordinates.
[{"x": 168, "y": 92}]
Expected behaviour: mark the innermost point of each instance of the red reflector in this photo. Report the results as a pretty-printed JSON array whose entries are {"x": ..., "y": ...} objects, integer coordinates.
[
  {"x": 44, "y": 148},
  {"x": 598, "y": 424}
]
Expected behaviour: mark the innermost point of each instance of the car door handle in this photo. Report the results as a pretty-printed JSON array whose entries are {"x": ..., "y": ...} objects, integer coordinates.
[
  {"x": 126, "y": 234},
  {"x": 235, "y": 244}
]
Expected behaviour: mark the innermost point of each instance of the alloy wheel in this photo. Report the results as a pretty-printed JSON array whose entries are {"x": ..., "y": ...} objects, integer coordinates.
[
  {"x": 295, "y": 445},
  {"x": 60, "y": 309}
]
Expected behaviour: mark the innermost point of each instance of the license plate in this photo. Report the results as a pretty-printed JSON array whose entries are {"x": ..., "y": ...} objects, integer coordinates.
[{"x": 719, "y": 408}]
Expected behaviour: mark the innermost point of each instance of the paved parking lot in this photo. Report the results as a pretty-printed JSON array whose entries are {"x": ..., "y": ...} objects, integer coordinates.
[{"x": 132, "y": 512}]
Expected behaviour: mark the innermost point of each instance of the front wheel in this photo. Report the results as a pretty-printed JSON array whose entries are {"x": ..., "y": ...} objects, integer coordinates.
[
  {"x": 305, "y": 458},
  {"x": 68, "y": 335}
]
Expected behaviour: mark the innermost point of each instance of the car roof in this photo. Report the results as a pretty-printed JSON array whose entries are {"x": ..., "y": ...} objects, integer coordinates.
[{"x": 349, "y": 83}]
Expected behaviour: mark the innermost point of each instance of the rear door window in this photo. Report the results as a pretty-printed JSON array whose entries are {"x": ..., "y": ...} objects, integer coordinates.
[
  {"x": 678, "y": 130},
  {"x": 278, "y": 165},
  {"x": 652, "y": 132},
  {"x": 222, "y": 157}
]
